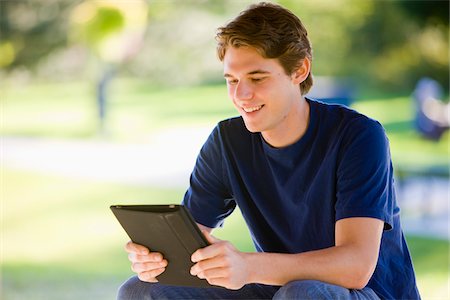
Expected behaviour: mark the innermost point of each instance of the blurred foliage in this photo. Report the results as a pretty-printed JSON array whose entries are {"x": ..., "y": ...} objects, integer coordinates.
[
  {"x": 113, "y": 30},
  {"x": 385, "y": 44},
  {"x": 105, "y": 20},
  {"x": 31, "y": 30},
  {"x": 388, "y": 44}
]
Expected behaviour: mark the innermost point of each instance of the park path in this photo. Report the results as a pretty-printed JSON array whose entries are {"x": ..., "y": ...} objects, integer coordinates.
[{"x": 167, "y": 159}]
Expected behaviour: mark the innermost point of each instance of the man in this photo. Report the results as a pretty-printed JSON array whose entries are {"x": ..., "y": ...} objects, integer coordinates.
[{"x": 314, "y": 183}]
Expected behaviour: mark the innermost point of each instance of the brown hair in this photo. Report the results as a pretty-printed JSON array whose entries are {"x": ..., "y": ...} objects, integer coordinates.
[{"x": 274, "y": 32}]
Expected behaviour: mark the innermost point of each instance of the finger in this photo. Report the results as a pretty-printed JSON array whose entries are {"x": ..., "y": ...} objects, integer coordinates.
[
  {"x": 150, "y": 276},
  {"x": 206, "y": 265},
  {"x": 136, "y": 248},
  {"x": 152, "y": 257},
  {"x": 148, "y": 266},
  {"x": 214, "y": 273},
  {"x": 217, "y": 249},
  {"x": 223, "y": 282}
]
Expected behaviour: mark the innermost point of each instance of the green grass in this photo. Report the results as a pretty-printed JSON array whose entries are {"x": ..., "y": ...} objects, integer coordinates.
[
  {"x": 136, "y": 109},
  {"x": 60, "y": 241},
  {"x": 431, "y": 262}
]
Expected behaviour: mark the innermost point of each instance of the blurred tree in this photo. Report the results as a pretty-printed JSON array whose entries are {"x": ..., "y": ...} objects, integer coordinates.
[
  {"x": 114, "y": 31},
  {"x": 427, "y": 11},
  {"x": 403, "y": 41},
  {"x": 390, "y": 44},
  {"x": 179, "y": 46},
  {"x": 92, "y": 23},
  {"x": 31, "y": 30},
  {"x": 386, "y": 44}
]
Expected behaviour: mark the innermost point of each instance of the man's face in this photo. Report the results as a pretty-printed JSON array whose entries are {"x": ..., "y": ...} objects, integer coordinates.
[{"x": 261, "y": 91}]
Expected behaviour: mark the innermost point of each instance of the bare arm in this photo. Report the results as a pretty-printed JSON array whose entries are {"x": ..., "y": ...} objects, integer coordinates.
[{"x": 350, "y": 263}]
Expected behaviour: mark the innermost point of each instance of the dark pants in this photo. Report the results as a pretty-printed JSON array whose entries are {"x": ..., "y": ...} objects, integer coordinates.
[{"x": 134, "y": 289}]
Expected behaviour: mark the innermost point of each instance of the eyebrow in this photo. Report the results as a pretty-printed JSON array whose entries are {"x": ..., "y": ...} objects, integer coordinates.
[{"x": 226, "y": 75}]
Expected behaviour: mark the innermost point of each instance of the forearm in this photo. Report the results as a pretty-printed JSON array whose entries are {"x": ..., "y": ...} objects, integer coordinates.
[
  {"x": 350, "y": 263},
  {"x": 336, "y": 265}
]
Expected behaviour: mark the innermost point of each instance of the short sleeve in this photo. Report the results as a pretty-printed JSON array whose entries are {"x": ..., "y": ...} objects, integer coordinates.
[
  {"x": 364, "y": 175},
  {"x": 208, "y": 197}
]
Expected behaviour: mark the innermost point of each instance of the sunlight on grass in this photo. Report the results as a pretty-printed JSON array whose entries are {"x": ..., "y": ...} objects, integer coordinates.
[
  {"x": 58, "y": 232},
  {"x": 59, "y": 239},
  {"x": 395, "y": 110},
  {"x": 134, "y": 109},
  {"x": 431, "y": 262},
  {"x": 60, "y": 217},
  {"x": 34, "y": 110}
]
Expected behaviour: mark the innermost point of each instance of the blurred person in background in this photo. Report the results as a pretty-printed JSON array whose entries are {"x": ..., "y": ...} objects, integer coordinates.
[{"x": 314, "y": 183}]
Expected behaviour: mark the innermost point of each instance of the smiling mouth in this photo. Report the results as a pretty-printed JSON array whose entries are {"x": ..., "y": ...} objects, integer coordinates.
[{"x": 252, "y": 109}]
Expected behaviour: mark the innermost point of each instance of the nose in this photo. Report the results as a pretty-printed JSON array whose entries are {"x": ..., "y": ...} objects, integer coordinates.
[{"x": 243, "y": 92}]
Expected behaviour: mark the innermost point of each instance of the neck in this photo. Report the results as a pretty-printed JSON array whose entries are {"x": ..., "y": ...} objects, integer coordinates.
[{"x": 293, "y": 127}]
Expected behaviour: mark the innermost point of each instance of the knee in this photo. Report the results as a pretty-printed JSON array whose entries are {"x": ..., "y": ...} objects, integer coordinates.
[
  {"x": 311, "y": 289},
  {"x": 133, "y": 288}
]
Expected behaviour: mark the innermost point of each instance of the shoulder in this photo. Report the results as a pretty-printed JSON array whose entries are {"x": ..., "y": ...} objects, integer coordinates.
[
  {"x": 337, "y": 112},
  {"x": 346, "y": 122},
  {"x": 360, "y": 128},
  {"x": 349, "y": 132}
]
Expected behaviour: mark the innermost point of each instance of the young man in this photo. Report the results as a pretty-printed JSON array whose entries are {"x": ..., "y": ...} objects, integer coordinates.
[{"x": 314, "y": 183}]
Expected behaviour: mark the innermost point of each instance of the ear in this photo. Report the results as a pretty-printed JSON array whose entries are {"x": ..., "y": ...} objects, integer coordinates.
[{"x": 301, "y": 73}]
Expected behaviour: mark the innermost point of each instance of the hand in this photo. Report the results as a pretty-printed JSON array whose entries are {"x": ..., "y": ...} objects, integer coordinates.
[
  {"x": 148, "y": 265},
  {"x": 220, "y": 264}
]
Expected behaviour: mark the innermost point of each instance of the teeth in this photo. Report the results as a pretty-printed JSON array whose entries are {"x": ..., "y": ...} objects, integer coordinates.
[{"x": 252, "y": 109}]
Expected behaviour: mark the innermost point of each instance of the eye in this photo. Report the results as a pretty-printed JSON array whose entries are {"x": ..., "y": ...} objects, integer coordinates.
[
  {"x": 257, "y": 79},
  {"x": 232, "y": 81}
]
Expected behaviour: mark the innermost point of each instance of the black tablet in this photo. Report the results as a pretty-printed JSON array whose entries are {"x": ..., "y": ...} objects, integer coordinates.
[{"x": 170, "y": 230}]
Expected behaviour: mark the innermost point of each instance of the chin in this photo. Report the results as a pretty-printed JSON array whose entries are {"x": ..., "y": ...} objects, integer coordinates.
[{"x": 252, "y": 128}]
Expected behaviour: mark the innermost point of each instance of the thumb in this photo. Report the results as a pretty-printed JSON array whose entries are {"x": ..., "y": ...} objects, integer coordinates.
[{"x": 210, "y": 238}]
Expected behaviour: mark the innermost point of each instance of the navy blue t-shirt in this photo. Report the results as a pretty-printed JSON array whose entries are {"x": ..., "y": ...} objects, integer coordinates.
[{"x": 291, "y": 197}]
